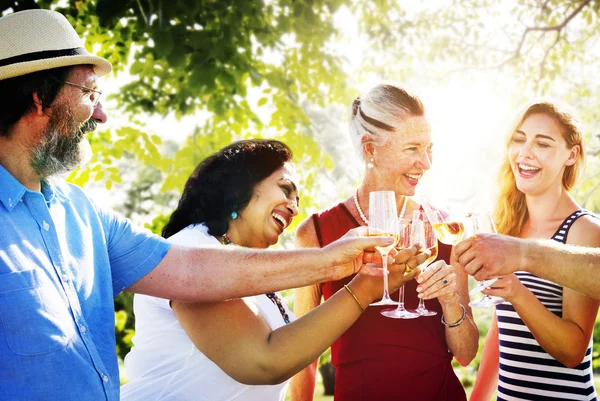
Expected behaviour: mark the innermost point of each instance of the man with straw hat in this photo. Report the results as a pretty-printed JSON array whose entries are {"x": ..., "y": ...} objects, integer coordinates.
[{"x": 63, "y": 258}]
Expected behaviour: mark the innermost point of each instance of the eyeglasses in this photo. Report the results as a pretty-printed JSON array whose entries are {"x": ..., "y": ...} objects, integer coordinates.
[{"x": 94, "y": 94}]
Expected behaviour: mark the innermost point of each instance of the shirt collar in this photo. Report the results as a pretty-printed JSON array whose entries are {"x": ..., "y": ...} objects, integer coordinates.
[{"x": 12, "y": 191}]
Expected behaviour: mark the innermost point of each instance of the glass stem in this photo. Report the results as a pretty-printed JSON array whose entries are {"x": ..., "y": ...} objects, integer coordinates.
[
  {"x": 401, "y": 298},
  {"x": 386, "y": 291}
]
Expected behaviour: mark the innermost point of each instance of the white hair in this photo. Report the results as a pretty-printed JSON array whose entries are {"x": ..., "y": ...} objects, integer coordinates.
[{"x": 379, "y": 112}]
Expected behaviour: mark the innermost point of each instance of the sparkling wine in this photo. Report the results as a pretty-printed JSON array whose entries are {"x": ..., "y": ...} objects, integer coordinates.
[
  {"x": 385, "y": 249},
  {"x": 450, "y": 232}
]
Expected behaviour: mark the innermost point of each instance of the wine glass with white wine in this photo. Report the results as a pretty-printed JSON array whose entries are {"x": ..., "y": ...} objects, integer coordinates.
[
  {"x": 383, "y": 222},
  {"x": 446, "y": 223}
]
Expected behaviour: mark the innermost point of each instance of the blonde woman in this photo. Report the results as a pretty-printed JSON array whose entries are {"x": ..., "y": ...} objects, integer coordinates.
[{"x": 539, "y": 343}]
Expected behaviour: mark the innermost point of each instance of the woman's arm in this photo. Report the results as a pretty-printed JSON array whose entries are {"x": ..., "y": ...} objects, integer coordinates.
[
  {"x": 238, "y": 339},
  {"x": 569, "y": 337},
  {"x": 462, "y": 340},
  {"x": 302, "y": 386},
  {"x": 487, "y": 377}
]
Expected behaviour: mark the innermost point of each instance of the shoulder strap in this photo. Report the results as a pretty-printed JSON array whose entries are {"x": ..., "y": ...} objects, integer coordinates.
[{"x": 561, "y": 234}]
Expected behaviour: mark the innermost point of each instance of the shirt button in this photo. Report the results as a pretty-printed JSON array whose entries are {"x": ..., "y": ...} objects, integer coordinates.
[
  {"x": 83, "y": 329},
  {"x": 105, "y": 378},
  {"x": 65, "y": 278},
  {"x": 46, "y": 226}
]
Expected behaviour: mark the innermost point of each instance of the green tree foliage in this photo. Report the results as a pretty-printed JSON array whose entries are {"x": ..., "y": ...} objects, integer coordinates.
[{"x": 271, "y": 68}]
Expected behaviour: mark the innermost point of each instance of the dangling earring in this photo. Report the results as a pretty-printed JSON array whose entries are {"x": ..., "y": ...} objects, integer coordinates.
[
  {"x": 371, "y": 163},
  {"x": 234, "y": 215}
]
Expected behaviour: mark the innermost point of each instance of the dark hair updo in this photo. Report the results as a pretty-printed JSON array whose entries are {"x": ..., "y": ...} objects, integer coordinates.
[{"x": 224, "y": 183}]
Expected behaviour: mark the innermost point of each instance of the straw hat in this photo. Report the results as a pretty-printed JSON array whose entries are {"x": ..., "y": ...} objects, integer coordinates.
[{"x": 36, "y": 40}]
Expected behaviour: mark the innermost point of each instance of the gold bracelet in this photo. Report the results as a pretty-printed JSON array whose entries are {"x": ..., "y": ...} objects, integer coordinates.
[{"x": 355, "y": 298}]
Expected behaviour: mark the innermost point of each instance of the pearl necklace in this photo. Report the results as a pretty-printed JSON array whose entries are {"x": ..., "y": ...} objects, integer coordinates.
[{"x": 364, "y": 218}]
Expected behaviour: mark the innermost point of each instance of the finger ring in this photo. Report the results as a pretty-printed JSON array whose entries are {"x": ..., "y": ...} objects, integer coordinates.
[
  {"x": 444, "y": 281},
  {"x": 407, "y": 268}
]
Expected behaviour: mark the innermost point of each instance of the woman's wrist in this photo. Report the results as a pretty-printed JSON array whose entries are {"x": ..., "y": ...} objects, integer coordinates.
[
  {"x": 451, "y": 324},
  {"x": 519, "y": 296},
  {"x": 360, "y": 286},
  {"x": 450, "y": 301}
]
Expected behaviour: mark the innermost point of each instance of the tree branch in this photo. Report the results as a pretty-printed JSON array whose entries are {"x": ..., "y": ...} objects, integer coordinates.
[
  {"x": 560, "y": 26},
  {"x": 543, "y": 62},
  {"x": 142, "y": 12},
  {"x": 556, "y": 28}
]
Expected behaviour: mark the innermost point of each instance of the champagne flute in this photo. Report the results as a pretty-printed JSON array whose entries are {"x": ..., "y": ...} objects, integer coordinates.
[
  {"x": 404, "y": 241},
  {"x": 482, "y": 223},
  {"x": 422, "y": 233},
  {"x": 383, "y": 222}
]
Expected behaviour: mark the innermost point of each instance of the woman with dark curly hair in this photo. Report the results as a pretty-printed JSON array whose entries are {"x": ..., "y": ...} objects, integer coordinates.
[{"x": 242, "y": 349}]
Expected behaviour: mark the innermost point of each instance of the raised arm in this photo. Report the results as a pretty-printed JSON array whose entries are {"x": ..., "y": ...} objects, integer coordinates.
[
  {"x": 216, "y": 273},
  {"x": 238, "y": 339},
  {"x": 492, "y": 255},
  {"x": 569, "y": 337},
  {"x": 462, "y": 339}
]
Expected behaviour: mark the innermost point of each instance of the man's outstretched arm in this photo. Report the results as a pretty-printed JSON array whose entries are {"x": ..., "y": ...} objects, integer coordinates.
[
  {"x": 491, "y": 255},
  {"x": 216, "y": 273}
]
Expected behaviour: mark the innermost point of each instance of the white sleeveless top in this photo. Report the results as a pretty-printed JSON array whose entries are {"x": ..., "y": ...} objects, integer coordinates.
[{"x": 165, "y": 365}]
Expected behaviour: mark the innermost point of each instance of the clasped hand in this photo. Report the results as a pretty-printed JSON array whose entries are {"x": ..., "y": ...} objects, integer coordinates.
[
  {"x": 508, "y": 287},
  {"x": 438, "y": 280}
]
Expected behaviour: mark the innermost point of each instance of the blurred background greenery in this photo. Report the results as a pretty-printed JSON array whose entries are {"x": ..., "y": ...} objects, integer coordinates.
[{"x": 193, "y": 75}]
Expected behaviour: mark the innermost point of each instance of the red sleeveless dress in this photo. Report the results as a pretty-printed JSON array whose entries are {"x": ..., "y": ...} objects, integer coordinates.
[{"x": 380, "y": 359}]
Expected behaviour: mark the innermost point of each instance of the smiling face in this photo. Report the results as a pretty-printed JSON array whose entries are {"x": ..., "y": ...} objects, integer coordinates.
[
  {"x": 402, "y": 160},
  {"x": 273, "y": 205},
  {"x": 538, "y": 154}
]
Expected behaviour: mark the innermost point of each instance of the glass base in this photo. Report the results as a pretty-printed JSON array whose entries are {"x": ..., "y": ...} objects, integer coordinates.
[
  {"x": 486, "y": 302},
  {"x": 384, "y": 302},
  {"x": 425, "y": 312},
  {"x": 482, "y": 285},
  {"x": 399, "y": 313}
]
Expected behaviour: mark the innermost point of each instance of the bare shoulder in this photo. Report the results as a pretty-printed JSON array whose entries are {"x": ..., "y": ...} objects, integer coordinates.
[
  {"x": 585, "y": 231},
  {"x": 306, "y": 234}
]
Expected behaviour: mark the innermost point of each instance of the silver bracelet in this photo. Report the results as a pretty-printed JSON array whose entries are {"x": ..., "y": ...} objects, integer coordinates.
[{"x": 462, "y": 319}]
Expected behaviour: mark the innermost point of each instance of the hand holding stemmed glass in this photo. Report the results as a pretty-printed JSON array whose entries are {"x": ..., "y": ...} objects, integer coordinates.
[
  {"x": 477, "y": 223},
  {"x": 383, "y": 221}
]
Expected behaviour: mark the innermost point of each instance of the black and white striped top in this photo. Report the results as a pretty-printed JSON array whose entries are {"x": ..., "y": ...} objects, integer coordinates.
[{"x": 527, "y": 372}]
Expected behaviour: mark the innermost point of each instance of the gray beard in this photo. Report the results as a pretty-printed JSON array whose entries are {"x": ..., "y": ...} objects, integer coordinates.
[{"x": 59, "y": 150}]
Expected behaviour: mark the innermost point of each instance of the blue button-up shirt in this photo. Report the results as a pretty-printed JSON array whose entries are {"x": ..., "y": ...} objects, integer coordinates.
[{"x": 62, "y": 261}]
